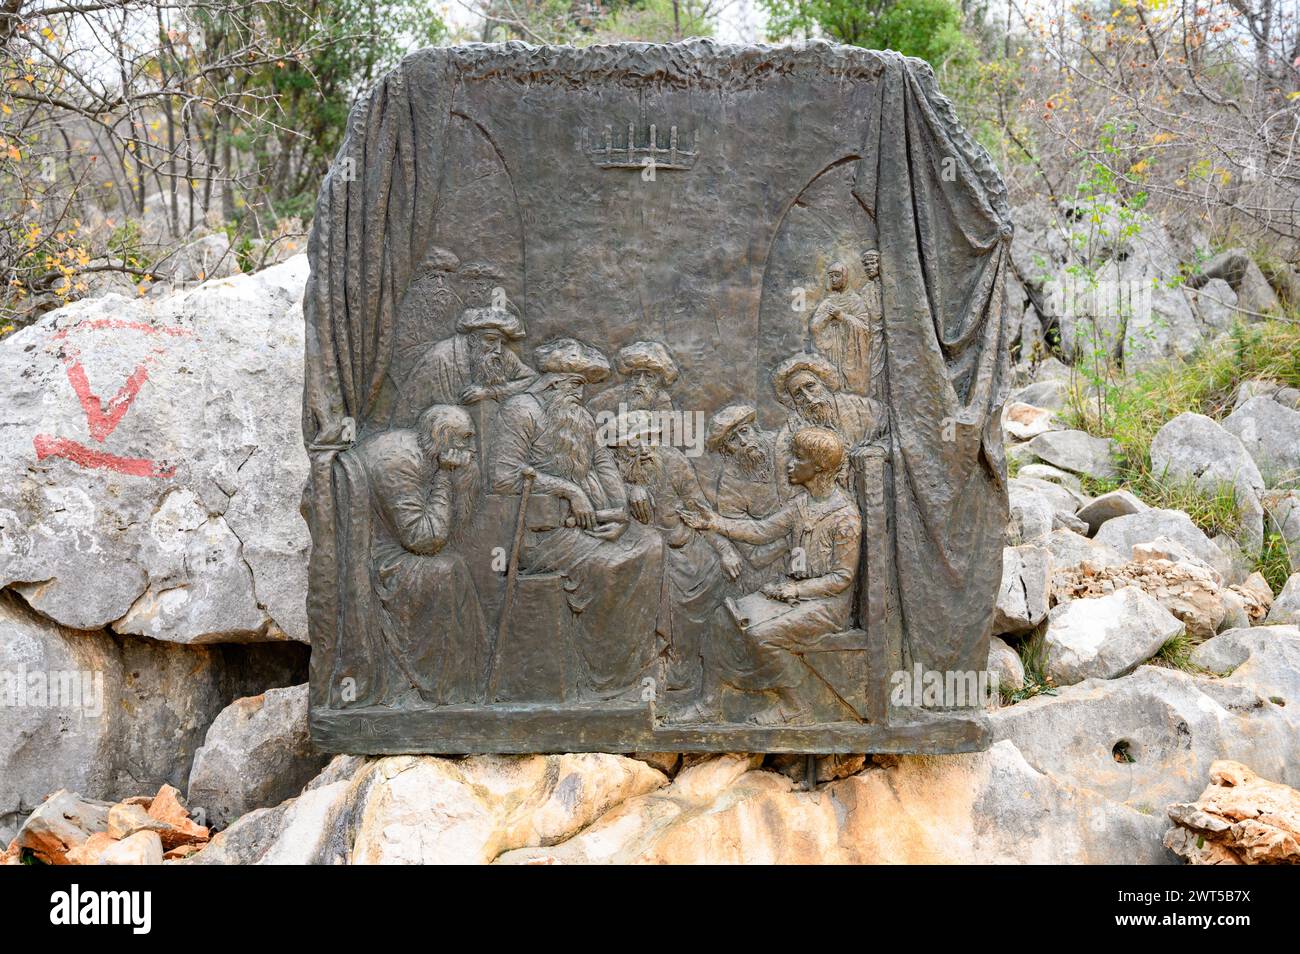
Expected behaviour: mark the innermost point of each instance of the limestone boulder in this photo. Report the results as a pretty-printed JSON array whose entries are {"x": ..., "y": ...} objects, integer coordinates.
[
  {"x": 257, "y": 753},
  {"x": 141, "y": 848},
  {"x": 1196, "y": 450},
  {"x": 151, "y": 462},
  {"x": 1121, "y": 533},
  {"x": 1076, "y": 451},
  {"x": 1283, "y": 509},
  {"x": 1051, "y": 474},
  {"x": 1270, "y": 432},
  {"x": 1026, "y": 585},
  {"x": 59, "y": 825},
  {"x": 109, "y": 716},
  {"x": 1286, "y": 608},
  {"x": 1070, "y": 549},
  {"x": 1149, "y": 738},
  {"x": 426, "y": 810},
  {"x": 1108, "y": 506},
  {"x": 1240, "y": 818},
  {"x": 1107, "y": 636},
  {"x": 1265, "y": 659},
  {"x": 1216, "y": 306},
  {"x": 1189, "y": 591},
  {"x": 985, "y": 808},
  {"x": 1023, "y": 421},
  {"x": 1005, "y": 663}
]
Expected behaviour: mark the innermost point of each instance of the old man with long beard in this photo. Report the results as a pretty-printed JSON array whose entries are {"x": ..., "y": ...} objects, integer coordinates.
[
  {"x": 660, "y": 480},
  {"x": 611, "y": 566},
  {"x": 812, "y": 388},
  {"x": 475, "y": 364}
]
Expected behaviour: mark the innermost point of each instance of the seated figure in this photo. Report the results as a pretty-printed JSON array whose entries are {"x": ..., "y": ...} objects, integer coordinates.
[
  {"x": 423, "y": 487},
  {"x": 757, "y": 638}
]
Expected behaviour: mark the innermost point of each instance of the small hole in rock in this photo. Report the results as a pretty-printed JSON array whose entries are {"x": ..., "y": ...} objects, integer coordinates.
[{"x": 1122, "y": 752}]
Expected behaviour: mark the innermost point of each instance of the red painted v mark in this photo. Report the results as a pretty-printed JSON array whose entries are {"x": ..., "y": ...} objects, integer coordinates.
[{"x": 102, "y": 418}]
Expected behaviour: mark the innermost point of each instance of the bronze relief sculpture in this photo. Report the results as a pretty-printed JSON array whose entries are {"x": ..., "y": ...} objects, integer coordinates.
[{"x": 652, "y": 441}]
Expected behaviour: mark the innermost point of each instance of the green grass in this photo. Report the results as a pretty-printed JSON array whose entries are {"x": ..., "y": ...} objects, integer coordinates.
[
  {"x": 1176, "y": 653},
  {"x": 1131, "y": 413},
  {"x": 1274, "y": 561},
  {"x": 1033, "y": 657}
]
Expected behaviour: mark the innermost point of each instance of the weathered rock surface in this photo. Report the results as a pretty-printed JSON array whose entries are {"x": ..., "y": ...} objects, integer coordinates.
[
  {"x": 142, "y": 848},
  {"x": 990, "y": 808},
  {"x": 1051, "y": 474},
  {"x": 1026, "y": 584},
  {"x": 1239, "y": 819},
  {"x": 1265, "y": 659},
  {"x": 121, "y": 714},
  {"x": 1076, "y": 451},
  {"x": 1216, "y": 306},
  {"x": 1235, "y": 266},
  {"x": 151, "y": 462},
  {"x": 1121, "y": 533},
  {"x": 1105, "y": 637},
  {"x": 1271, "y": 434},
  {"x": 1286, "y": 608},
  {"x": 1149, "y": 738},
  {"x": 1189, "y": 591},
  {"x": 257, "y": 753},
  {"x": 1116, "y": 503},
  {"x": 1196, "y": 450},
  {"x": 1283, "y": 509},
  {"x": 1031, "y": 515},
  {"x": 425, "y": 810},
  {"x": 1070, "y": 549},
  {"x": 60, "y": 824},
  {"x": 1005, "y": 663},
  {"x": 1023, "y": 421}
]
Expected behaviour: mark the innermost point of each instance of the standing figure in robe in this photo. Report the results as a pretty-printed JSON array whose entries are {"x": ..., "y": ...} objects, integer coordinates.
[{"x": 841, "y": 330}]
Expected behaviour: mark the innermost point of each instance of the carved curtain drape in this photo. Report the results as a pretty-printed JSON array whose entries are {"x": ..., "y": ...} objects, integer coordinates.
[{"x": 943, "y": 232}]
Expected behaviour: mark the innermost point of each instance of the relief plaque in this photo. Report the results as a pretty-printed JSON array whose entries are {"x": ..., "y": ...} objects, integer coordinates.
[{"x": 652, "y": 403}]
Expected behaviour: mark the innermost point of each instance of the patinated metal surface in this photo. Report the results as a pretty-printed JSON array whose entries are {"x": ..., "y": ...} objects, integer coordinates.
[{"x": 652, "y": 404}]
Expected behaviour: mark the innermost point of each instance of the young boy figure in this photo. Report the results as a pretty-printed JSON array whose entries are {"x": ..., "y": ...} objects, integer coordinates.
[{"x": 757, "y": 638}]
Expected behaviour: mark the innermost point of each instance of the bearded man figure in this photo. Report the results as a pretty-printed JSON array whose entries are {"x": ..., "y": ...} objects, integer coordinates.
[
  {"x": 475, "y": 364},
  {"x": 811, "y": 387},
  {"x": 660, "y": 481},
  {"x": 648, "y": 371},
  {"x": 748, "y": 485},
  {"x": 611, "y": 565},
  {"x": 423, "y": 488}
]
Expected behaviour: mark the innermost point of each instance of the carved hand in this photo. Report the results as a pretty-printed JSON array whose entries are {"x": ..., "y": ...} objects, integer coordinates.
[
  {"x": 475, "y": 393},
  {"x": 696, "y": 516},
  {"x": 451, "y": 459},
  {"x": 785, "y": 592},
  {"x": 731, "y": 564},
  {"x": 638, "y": 501},
  {"x": 584, "y": 514}
]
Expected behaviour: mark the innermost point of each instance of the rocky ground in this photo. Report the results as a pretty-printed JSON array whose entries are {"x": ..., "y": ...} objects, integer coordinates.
[{"x": 152, "y": 466}]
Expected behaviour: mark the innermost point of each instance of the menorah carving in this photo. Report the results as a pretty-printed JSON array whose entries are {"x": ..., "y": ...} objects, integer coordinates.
[{"x": 630, "y": 153}]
